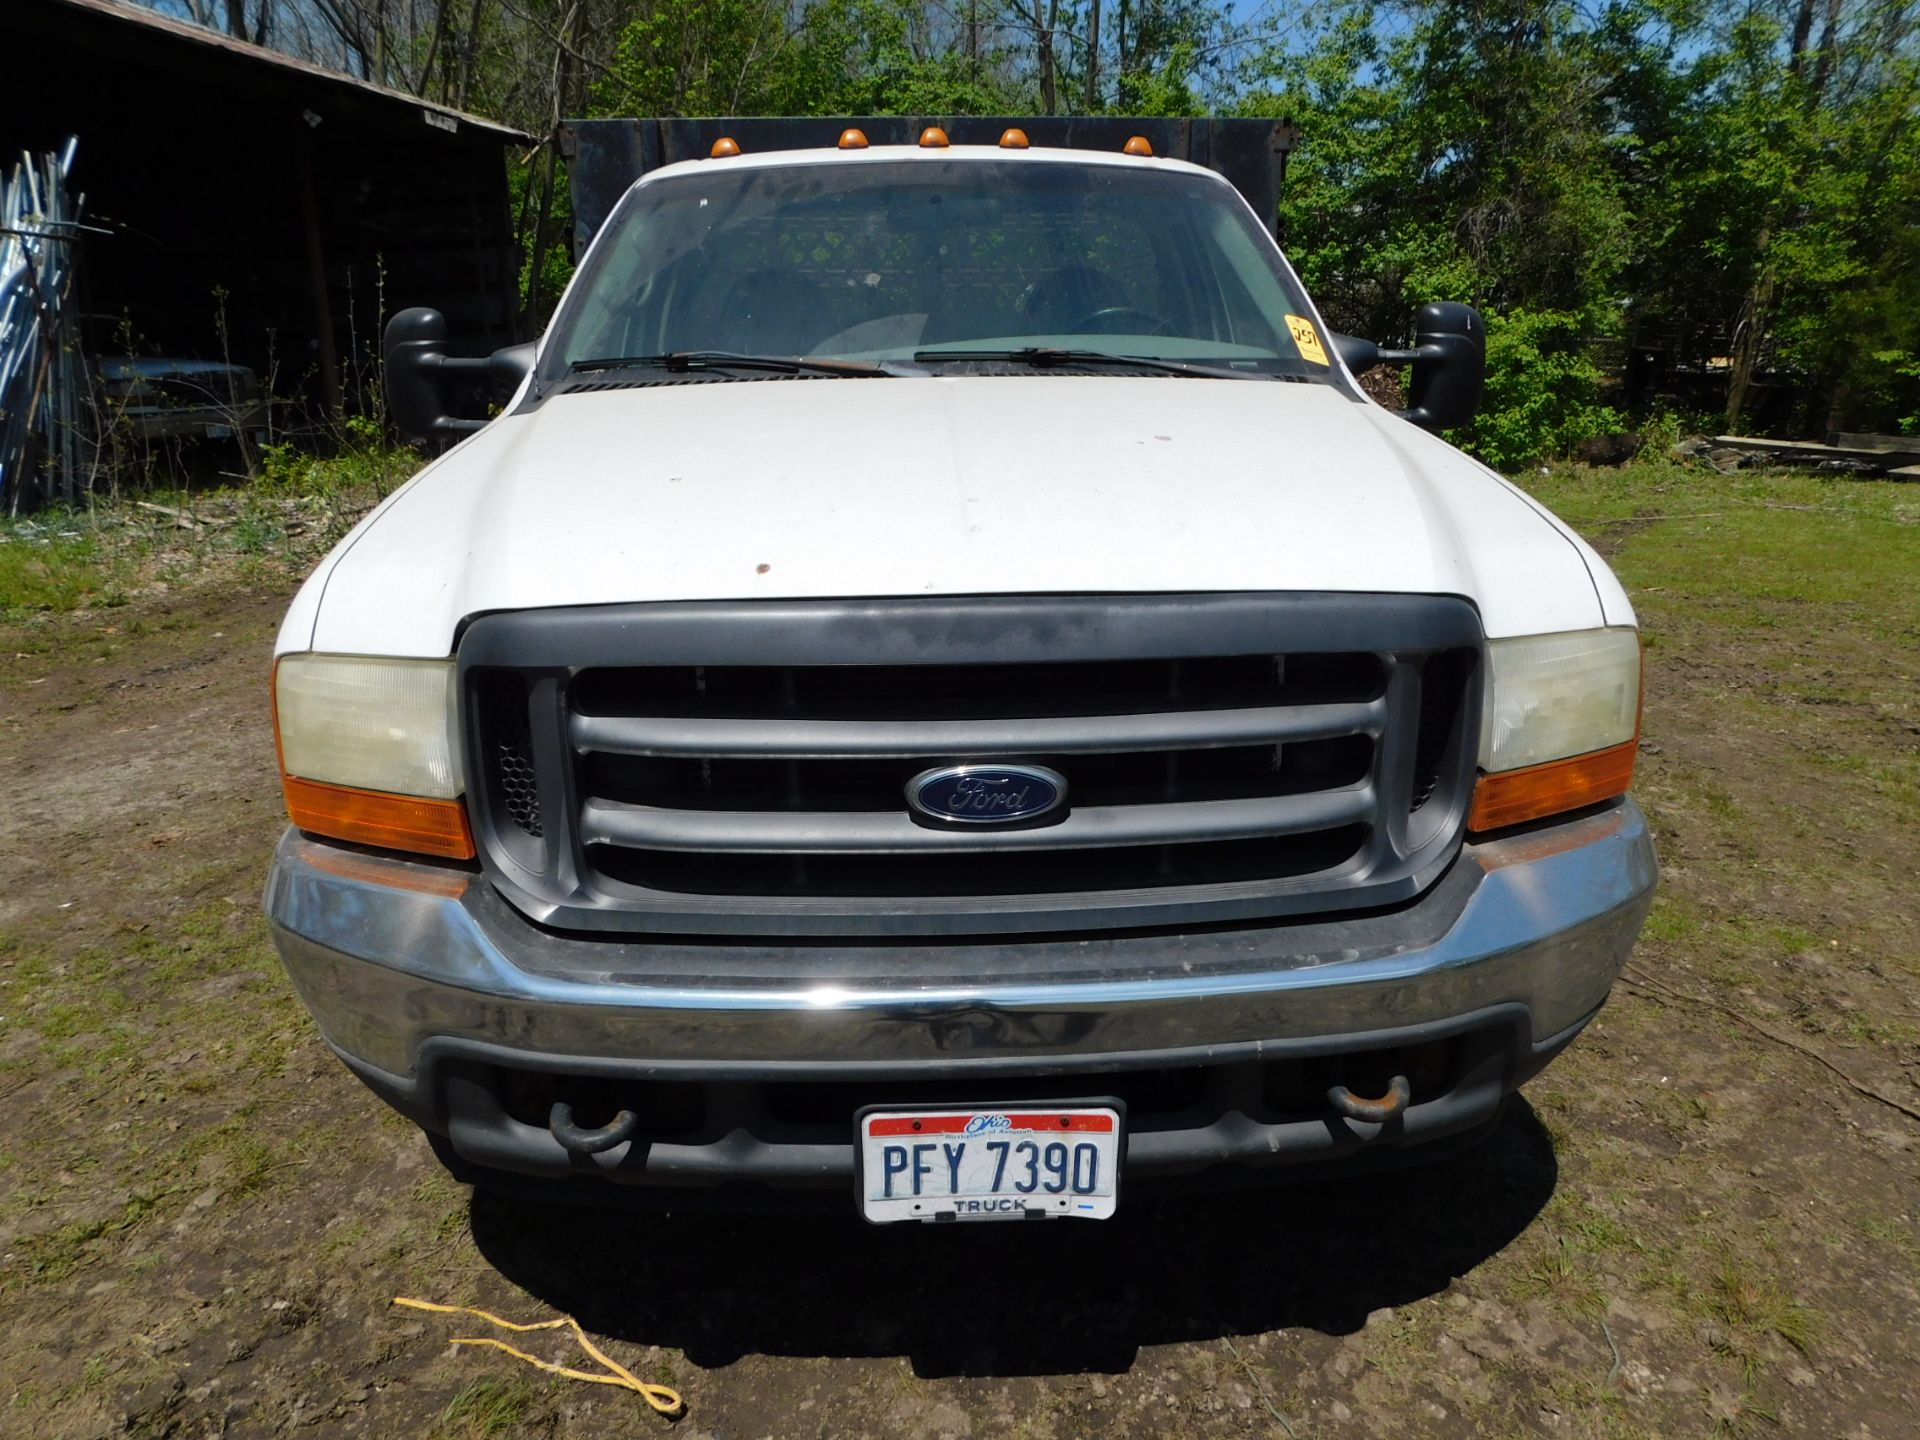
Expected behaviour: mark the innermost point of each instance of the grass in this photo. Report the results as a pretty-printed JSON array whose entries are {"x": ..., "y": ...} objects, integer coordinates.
[
  {"x": 1679, "y": 1217},
  {"x": 54, "y": 562},
  {"x": 144, "y": 1025},
  {"x": 486, "y": 1409},
  {"x": 126, "y": 545},
  {"x": 1752, "y": 1306},
  {"x": 55, "y": 1254}
]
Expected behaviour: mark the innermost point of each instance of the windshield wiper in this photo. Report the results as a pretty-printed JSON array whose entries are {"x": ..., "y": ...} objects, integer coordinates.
[
  {"x": 682, "y": 361},
  {"x": 1043, "y": 357}
]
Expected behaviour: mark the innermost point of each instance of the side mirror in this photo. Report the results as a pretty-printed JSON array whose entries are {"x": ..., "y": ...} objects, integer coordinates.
[
  {"x": 1449, "y": 365},
  {"x": 420, "y": 373},
  {"x": 1359, "y": 355}
]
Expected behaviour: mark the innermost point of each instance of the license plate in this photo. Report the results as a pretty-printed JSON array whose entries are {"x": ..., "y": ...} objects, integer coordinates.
[
  {"x": 1015, "y": 1163},
  {"x": 219, "y": 432}
]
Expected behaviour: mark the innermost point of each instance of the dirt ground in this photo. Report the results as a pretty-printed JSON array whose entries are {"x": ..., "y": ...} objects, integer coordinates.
[{"x": 1696, "y": 1223}]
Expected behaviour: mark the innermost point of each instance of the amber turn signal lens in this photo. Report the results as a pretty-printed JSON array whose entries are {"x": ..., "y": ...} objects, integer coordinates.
[
  {"x": 368, "y": 817},
  {"x": 1516, "y": 796},
  {"x": 1138, "y": 145},
  {"x": 933, "y": 138},
  {"x": 723, "y": 147},
  {"x": 1013, "y": 139},
  {"x": 851, "y": 139}
]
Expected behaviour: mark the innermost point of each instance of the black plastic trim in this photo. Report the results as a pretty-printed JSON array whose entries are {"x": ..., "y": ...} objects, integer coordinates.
[
  {"x": 555, "y": 884},
  {"x": 481, "y": 1144}
]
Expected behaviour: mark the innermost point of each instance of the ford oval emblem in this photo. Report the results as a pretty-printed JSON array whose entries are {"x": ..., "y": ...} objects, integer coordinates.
[{"x": 986, "y": 794}]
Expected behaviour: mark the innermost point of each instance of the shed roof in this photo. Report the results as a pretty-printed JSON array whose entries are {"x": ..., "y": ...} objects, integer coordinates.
[{"x": 106, "y": 25}]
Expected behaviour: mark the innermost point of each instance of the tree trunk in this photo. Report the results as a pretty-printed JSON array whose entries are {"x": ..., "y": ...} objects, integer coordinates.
[
  {"x": 1043, "y": 25},
  {"x": 1753, "y": 330},
  {"x": 433, "y": 49},
  {"x": 1802, "y": 29},
  {"x": 1823, "y": 62},
  {"x": 1093, "y": 56},
  {"x": 562, "y": 76},
  {"x": 1753, "y": 333},
  {"x": 469, "y": 54}
]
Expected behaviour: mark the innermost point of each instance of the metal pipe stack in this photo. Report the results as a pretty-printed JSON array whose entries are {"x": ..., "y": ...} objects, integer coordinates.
[{"x": 43, "y": 381}]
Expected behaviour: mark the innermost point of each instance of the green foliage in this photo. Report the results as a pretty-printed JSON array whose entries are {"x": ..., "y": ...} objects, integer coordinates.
[
  {"x": 538, "y": 294},
  {"x": 485, "y": 1409},
  {"x": 1445, "y": 161},
  {"x": 1675, "y": 173},
  {"x": 1543, "y": 389},
  {"x": 361, "y": 464},
  {"x": 296, "y": 507},
  {"x": 50, "y": 562},
  {"x": 829, "y": 57},
  {"x": 1731, "y": 184},
  {"x": 1781, "y": 198},
  {"x": 875, "y": 57}
]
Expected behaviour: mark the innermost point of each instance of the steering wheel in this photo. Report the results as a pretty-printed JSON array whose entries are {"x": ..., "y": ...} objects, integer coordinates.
[{"x": 1097, "y": 322}]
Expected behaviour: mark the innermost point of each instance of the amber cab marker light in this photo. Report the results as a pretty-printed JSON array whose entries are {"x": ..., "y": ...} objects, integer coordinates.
[
  {"x": 1138, "y": 145},
  {"x": 1013, "y": 139},
  {"x": 933, "y": 138},
  {"x": 391, "y": 822},
  {"x": 851, "y": 139},
  {"x": 1516, "y": 796},
  {"x": 724, "y": 147}
]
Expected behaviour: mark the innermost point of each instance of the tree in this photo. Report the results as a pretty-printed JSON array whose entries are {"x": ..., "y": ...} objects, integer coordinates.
[{"x": 1739, "y": 179}]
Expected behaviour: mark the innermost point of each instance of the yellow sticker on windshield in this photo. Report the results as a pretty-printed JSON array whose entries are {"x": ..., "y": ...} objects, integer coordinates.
[{"x": 1306, "y": 339}]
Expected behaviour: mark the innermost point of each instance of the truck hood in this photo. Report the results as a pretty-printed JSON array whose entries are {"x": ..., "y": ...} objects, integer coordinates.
[{"x": 965, "y": 485}]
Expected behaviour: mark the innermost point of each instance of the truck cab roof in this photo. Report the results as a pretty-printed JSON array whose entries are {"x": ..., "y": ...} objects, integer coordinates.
[{"x": 894, "y": 154}]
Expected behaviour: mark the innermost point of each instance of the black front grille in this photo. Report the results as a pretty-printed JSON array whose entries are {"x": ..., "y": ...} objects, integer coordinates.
[{"x": 743, "y": 767}]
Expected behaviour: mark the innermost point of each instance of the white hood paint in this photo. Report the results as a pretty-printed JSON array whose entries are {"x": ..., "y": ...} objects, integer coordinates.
[{"x": 953, "y": 486}]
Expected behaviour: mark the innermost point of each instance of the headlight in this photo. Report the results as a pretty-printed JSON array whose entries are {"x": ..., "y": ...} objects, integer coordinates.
[
  {"x": 370, "y": 751},
  {"x": 1553, "y": 696},
  {"x": 1561, "y": 724}
]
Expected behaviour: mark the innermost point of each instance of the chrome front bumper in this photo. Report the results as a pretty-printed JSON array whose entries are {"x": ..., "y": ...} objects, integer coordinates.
[
  {"x": 418, "y": 973},
  {"x": 450, "y": 1005},
  {"x": 389, "y": 954}
]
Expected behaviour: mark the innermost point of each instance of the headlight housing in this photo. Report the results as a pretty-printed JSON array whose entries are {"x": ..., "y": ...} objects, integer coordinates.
[
  {"x": 1561, "y": 724},
  {"x": 370, "y": 751}
]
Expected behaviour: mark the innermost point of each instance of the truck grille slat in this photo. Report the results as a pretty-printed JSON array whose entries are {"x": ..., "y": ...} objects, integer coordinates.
[
  {"x": 645, "y": 827},
  {"x": 1057, "y": 735},
  {"x": 741, "y": 768}
]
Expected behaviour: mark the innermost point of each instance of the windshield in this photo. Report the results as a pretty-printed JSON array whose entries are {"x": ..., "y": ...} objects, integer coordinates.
[{"x": 884, "y": 260}]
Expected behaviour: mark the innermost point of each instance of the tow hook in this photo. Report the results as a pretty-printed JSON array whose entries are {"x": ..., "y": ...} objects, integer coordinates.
[
  {"x": 590, "y": 1142},
  {"x": 1376, "y": 1112}
]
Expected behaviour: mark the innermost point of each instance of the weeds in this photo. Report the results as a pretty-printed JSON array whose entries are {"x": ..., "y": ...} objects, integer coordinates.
[
  {"x": 59, "y": 1252},
  {"x": 1750, "y": 1306},
  {"x": 297, "y": 507},
  {"x": 485, "y": 1409}
]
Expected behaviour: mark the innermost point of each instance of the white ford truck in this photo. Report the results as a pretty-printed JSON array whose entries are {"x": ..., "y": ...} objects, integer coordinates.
[{"x": 939, "y": 692}]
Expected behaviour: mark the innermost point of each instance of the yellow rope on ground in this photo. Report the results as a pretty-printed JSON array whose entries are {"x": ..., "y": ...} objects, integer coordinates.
[{"x": 660, "y": 1397}]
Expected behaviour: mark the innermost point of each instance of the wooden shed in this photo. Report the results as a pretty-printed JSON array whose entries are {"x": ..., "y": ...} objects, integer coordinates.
[{"x": 245, "y": 191}]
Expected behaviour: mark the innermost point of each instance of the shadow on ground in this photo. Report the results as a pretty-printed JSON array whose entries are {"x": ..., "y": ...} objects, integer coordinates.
[{"x": 1003, "y": 1300}]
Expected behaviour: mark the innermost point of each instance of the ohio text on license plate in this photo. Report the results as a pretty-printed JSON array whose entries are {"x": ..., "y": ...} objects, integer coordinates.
[{"x": 1055, "y": 1161}]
